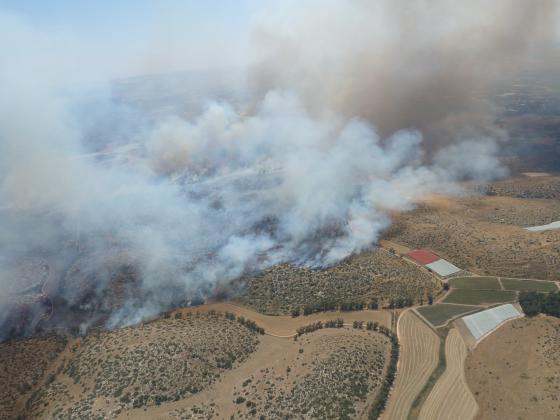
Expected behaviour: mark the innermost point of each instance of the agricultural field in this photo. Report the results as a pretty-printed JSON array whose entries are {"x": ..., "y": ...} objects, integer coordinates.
[
  {"x": 479, "y": 297},
  {"x": 377, "y": 276},
  {"x": 23, "y": 363},
  {"x": 515, "y": 372},
  {"x": 440, "y": 313},
  {"x": 419, "y": 347},
  {"x": 468, "y": 233},
  {"x": 475, "y": 283},
  {"x": 529, "y": 285},
  {"x": 451, "y": 398}
]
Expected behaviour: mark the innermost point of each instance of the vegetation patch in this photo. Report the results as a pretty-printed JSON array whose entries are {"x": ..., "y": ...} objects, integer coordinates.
[
  {"x": 151, "y": 364},
  {"x": 529, "y": 285},
  {"x": 22, "y": 366},
  {"x": 372, "y": 279},
  {"x": 534, "y": 303},
  {"x": 475, "y": 283},
  {"x": 440, "y": 313},
  {"x": 480, "y": 297},
  {"x": 383, "y": 395}
]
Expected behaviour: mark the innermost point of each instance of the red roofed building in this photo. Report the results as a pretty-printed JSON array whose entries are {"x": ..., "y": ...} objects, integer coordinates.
[{"x": 422, "y": 256}]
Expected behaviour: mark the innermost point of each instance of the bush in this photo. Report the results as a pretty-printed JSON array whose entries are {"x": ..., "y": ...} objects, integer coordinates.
[{"x": 534, "y": 303}]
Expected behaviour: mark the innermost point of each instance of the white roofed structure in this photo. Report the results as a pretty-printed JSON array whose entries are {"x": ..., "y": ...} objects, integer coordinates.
[
  {"x": 482, "y": 323},
  {"x": 443, "y": 268}
]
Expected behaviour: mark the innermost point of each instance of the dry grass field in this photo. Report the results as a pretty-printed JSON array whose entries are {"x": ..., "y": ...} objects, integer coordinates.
[
  {"x": 23, "y": 363},
  {"x": 196, "y": 363},
  {"x": 547, "y": 187},
  {"x": 330, "y": 373},
  {"x": 450, "y": 398},
  {"x": 419, "y": 347},
  {"x": 515, "y": 372},
  {"x": 372, "y": 276},
  {"x": 475, "y": 234},
  {"x": 106, "y": 373}
]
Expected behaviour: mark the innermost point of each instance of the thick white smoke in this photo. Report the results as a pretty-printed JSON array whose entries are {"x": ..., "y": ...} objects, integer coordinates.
[{"x": 192, "y": 203}]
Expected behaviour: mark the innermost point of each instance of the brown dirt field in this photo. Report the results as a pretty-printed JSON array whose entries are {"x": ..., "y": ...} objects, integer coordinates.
[
  {"x": 285, "y": 326},
  {"x": 265, "y": 381},
  {"x": 515, "y": 372},
  {"x": 419, "y": 351},
  {"x": 486, "y": 235},
  {"x": 451, "y": 397}
]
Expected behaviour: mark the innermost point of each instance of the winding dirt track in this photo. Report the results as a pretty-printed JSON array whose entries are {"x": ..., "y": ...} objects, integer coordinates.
[
  {"x": 451, "y": 398},
  {"x": 284, "y": 326},
  {"x": 419, "y": 347}
]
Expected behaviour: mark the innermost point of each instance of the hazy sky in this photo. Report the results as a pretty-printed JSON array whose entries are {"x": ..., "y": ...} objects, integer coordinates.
[{"x": 142, "y": 36}]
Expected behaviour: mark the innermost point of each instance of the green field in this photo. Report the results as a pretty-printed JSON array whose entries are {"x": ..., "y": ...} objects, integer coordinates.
[
  {"x": 529, "y": 285},
  {"x": 440, "y": 313},
  {"x": 475, "y": 283},
  {"x": 479, "y": 297}
]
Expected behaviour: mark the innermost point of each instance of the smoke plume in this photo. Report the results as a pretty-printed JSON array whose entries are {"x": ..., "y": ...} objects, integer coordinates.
[{"x": 354, "y": 110}]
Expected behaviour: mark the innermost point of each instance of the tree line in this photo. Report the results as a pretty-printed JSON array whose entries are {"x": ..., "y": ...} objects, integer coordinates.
[
  {"x": 252, "y": 325},
  {"x": 330, "y": 305},
  {"x": 534, "y": 303},
  {"x": 309, "y": 328}
]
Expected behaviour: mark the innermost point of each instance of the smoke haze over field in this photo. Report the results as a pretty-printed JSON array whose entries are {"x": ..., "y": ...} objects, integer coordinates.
[{"x": 302, "y": 166}]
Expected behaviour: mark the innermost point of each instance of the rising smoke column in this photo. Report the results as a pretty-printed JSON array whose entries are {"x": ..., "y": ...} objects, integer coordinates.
[{"x": 306, "y": 173}]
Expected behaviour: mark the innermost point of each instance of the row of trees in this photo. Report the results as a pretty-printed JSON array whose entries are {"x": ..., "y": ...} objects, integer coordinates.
[
  {"x": 534, "y": 303},
  {"x": 252, "y": 325},
  {"x": 327, "y": 305},
  {"x": 334, "y": 323},
  {"x": 383, "y": 395}
]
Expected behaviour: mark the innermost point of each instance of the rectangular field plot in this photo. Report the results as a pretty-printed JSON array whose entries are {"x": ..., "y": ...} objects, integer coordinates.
[
  {"x": 481, "y": 323},
  {"x": 440, "y": 313},
  {"x": 475, "y": 283},
  {"x": 529, "y": 285},
  {"x": 479, "y": 297}
]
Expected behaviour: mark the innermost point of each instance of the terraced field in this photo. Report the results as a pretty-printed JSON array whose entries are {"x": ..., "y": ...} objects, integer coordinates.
[
  {"x": 418, "y": 358},
  {"x": 451, "y": 398}
]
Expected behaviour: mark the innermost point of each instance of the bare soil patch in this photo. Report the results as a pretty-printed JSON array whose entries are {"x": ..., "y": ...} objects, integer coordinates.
[{"x": 515, "y": 372}]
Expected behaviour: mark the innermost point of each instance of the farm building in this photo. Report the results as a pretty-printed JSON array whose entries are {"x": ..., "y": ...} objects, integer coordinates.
[
  {"x": 482, "y": 323},
  {"x": 443, "y": 268},
  {"x": 422, "y": 256}
]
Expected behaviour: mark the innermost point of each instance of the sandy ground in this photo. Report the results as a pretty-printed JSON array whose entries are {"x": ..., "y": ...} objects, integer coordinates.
[
  {"x": 515, "y": 372},
  {"x": 419, "y": 349},
  {"x": 451, "y": 398}
]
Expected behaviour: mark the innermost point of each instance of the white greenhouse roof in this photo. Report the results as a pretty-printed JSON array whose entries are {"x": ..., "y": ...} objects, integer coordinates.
[
  {"x": 482, "y": 323},
  {"x": 550, "y": 226},
  {"x": 443, "y": 267}
]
